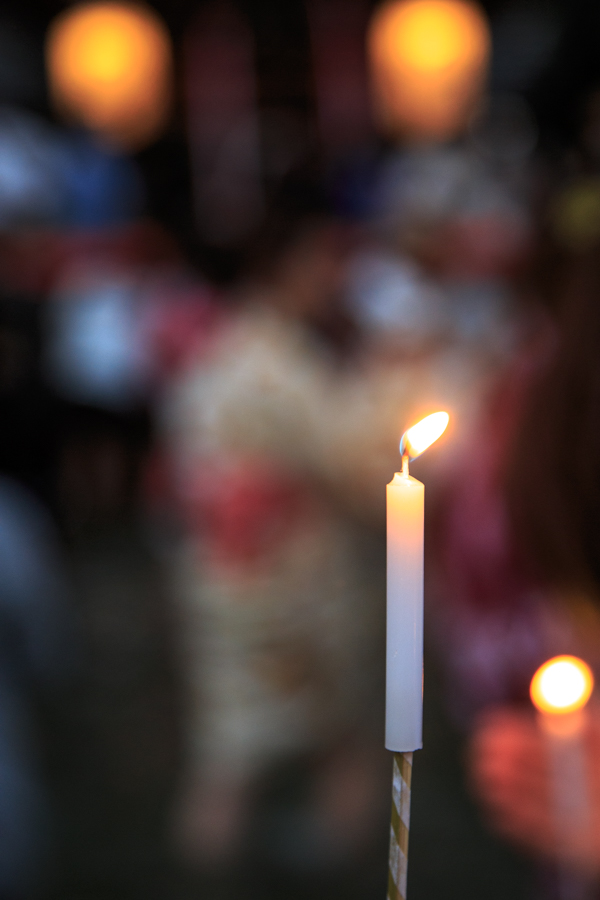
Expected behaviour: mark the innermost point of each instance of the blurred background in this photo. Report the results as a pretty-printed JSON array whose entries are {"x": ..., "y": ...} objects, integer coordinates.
[{"x": 244, "y": 245}]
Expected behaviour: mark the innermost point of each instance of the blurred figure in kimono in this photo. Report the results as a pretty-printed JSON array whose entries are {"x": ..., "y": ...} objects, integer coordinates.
[{"x": 281, "y": 587}]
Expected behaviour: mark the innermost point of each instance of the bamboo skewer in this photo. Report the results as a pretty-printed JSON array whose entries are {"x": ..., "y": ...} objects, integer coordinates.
[{"x": 398, "y": 863}]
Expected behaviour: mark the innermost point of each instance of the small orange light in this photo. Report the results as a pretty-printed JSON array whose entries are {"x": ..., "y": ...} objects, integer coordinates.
[
  {"x": 422, "y": 435},
  {"x": 562, "y": 685}
]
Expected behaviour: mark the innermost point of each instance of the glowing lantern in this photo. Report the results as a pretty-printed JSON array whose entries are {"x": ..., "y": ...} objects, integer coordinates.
[
  {"x": 562, "y": 685},
  {"x": 109, "y": 66},
  {"x": 428, "y": 64}
]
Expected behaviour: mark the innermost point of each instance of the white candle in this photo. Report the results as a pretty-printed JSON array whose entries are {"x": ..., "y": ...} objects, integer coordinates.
[
  {"x": 560, "y": 690},
  {"x": 404, "y": 676}
]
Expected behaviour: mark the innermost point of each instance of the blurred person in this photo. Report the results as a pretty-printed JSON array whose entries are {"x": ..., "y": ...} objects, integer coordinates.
[
  {"x": 37, "y": 652},
  {"x": 281, "y": 605},
  {"x": 51, "y": 177},
  {"x": 535, "y": 576},
  {"x": 451, "y": 234},
  {"x": 280, "y": 448},
  {"x": 70, "y": 234}
]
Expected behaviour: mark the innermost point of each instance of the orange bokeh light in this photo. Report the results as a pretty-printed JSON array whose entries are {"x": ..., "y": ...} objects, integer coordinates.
[
  {"x": 109, "y": 66},
  {"x": 428, "y": 63},
  {"x": 562, "y": 685}
]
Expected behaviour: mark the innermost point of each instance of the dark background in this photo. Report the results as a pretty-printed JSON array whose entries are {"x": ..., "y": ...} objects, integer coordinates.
[{"x": 556, "y": 92}]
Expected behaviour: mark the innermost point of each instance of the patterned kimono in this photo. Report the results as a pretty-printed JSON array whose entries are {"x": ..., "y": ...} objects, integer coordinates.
[{"x": 282, "y": 601}]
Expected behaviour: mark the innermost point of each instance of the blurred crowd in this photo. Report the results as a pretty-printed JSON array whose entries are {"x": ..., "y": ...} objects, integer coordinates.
[{"x": 224, "y": 295}]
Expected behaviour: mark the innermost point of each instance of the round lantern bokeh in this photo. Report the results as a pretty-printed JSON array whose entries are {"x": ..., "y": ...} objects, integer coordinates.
[
  {"x": 109, "y": 69},
  {"x": 428, "y": 65}
]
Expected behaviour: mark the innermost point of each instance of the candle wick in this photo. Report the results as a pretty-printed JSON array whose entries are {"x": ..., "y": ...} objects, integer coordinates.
[{"x": 405, "y": 465}]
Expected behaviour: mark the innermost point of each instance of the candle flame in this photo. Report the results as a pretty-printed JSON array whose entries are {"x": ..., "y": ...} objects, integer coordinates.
[
  {"x": 420, "y": 436},
  {"x": 562, "y": 685}
]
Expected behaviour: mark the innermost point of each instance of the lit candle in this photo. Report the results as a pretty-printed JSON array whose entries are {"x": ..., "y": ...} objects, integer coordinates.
[
  {"x": 404, "y": 676},
  {"x": 560, "y": 690},
  {"x": 405, "y": 507}
]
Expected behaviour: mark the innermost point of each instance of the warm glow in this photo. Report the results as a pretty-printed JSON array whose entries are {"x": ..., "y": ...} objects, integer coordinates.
[
  {"x": 428, "y": 61},
  {"x": 109, "y": 66},
  {"x": 430, "y": 35},
  {"x": 562, "y": 685},
  {"x": 423, "y": 434}
]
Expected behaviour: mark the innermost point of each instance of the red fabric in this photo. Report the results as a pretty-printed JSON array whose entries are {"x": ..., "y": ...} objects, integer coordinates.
[
  {"x": 479, "y": 559},
  {"x": 489, "y": 620},
  {"x": 181, "y": 324},
  {"x": 479, "y": 247},
  {"x": 243, "y": 514}
]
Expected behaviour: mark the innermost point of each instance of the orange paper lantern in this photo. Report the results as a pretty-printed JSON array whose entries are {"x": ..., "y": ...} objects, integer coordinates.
[
  {"x": 428, "y": 65},
  {"x": 109, "y": 68}
]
